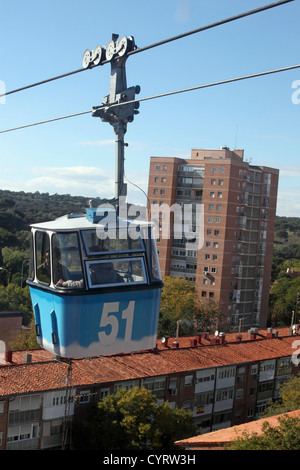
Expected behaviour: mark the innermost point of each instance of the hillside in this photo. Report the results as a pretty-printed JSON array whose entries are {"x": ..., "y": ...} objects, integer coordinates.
[
  {"x": 19, "y": 209},
  {"x": 39, "y": 207}
]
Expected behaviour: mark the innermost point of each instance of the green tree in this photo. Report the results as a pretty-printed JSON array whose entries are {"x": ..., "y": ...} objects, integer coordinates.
[
  {"x": 283, "y": 299},
  {"x": 178, "y": 302},
  {"x": 209, "y": 315},
  {"x": 285, "y": 436},
  {"x": 14, "y": 298},
  {"x": 289, "y": 398},
  {"x": 132, "y": 420},
  {"x": 25, "y": 340}
]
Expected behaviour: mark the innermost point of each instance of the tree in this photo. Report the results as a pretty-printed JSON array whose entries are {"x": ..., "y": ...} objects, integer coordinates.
[
  {"x": 283, "y": 299},
  {"x": 208, "y": 315},
  {"x": 285, "y": 436},
  {"x": 289, "y": 399},
  {"x": 132, "y": 420},
  {"x": 25, "y": 340},
  {"x": 14, "y": 298},
  {"x": 178, "y": 302}
]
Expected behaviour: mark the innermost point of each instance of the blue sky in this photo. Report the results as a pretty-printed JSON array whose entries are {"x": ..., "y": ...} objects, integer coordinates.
[{"x": 39, "y": 40}]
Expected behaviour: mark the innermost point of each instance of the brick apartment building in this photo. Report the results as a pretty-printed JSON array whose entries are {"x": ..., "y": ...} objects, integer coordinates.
[
  {"x": 224, "y": 381},
  {"x": 232, "y": 262}
]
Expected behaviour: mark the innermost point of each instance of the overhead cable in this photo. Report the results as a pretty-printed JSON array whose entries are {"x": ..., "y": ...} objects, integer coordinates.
[
  {"x": 160, "y": 43},
  {"x": 210, "y": 26},
  {"x": 161, "y": 95}
]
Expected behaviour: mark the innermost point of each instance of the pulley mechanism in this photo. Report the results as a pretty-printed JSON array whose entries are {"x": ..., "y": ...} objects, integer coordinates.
[{"x": 119, "y": 107}]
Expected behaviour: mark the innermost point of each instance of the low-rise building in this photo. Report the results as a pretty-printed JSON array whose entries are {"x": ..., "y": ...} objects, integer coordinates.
[{"x": 222, "y": 380}]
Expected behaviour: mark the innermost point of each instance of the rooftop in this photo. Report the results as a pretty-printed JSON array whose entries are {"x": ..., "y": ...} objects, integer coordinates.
[
  {"x": 33, "y": 371},
  {"x": 223, "y": 437}
]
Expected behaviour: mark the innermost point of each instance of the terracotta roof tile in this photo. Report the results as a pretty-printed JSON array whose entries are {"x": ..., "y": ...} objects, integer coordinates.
[
  {"x": 227, "y": 435},
  {"x": 45, "y": 373}
]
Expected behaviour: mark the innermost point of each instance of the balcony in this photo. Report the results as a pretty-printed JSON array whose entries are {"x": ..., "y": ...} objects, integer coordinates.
[
  {"x": 26, "y": 444},
  {"x": 23, "y": 416}
]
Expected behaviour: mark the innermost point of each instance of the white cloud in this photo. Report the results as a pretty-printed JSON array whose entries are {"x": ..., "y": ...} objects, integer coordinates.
[{"x": 77, "y": 181}]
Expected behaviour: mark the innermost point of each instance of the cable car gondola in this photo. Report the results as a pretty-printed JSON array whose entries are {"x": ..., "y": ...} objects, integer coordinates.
[{"x": 92, "y": 294}]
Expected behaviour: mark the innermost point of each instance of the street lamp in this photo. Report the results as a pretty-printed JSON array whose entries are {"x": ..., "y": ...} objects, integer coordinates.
[{"x": 296, "y": 309}]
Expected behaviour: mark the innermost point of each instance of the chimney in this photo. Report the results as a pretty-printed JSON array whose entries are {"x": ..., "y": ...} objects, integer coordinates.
[
  {"x": 222, "y": 338},
  {"x": 252, "y": 333},
  {"x": 27, "y": 358},
  {"x": 164, "y": 340},
  {"x": 8, "y": 355}
]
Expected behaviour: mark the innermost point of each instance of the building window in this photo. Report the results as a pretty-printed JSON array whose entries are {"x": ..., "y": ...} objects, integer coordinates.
[
  {"x": 156, "y": 179},
  {"x": 210, "y": 207},
  {"x": 212, "y": 194},
  {"x": 220, "y": 195},
  {"x": 162, "y": 191},
  {"x": 215, "y": 257},
  {"x": 163, "y": 180},
  {"x": 218, "y": 220},
  {"x": 188, "y": 380},
  {"x": 213, "y": 182},
  {"x": 216, "y": 244},
  {"x": 220, "y": 182},
  {"x": 209, "y": 219},
  {"x": 221, "y": 169},
  {"x": 84, "y": 397},
  {"x": 203, "y": 294},
  {"x": 217, "y": 232},
  {"x": 214, "y": 270},
  {"x": 155, "y": 191},
  {"x": 214, "y": 169},
  {"x": 207, "y": 243},
  {"x": 205, "y": 281},
  {"x": 164, "y": 168},
  {"x": 208, "y": 231},
  {"x": 218, "y": 207},
  {"x": 207, "y": 256},
  {"x": 157, "y": 167}
]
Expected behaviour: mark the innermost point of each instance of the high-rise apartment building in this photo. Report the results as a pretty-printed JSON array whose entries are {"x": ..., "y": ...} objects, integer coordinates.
[{"x": 233, "y": 213}]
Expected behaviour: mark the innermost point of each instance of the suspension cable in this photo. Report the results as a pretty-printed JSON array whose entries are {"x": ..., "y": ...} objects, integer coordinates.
[
  {"x": 161, "y": 95},
  {"x": 160, "y": 43}
]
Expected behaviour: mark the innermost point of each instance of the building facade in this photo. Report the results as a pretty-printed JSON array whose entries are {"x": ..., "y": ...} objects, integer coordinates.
[
  {"x": 222, "y": 240},
  {"x": 223, "y": 381}
]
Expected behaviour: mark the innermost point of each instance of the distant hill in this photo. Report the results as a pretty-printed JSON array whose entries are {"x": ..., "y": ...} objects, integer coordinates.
[
  {"x": 40, "y": 207},
  {"x": 20, "y": 209}
]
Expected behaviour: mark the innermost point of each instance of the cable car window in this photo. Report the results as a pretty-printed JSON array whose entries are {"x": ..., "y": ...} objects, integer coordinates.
[
  {"x": 116, "y": 272},
  {"x": 67, "y": 268},
  {"x": 42, "y": 252},
  {"x": 121, "y": 242},
  {"x": 31, "y": 261},
  {"x": 156, "y": 275}
]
